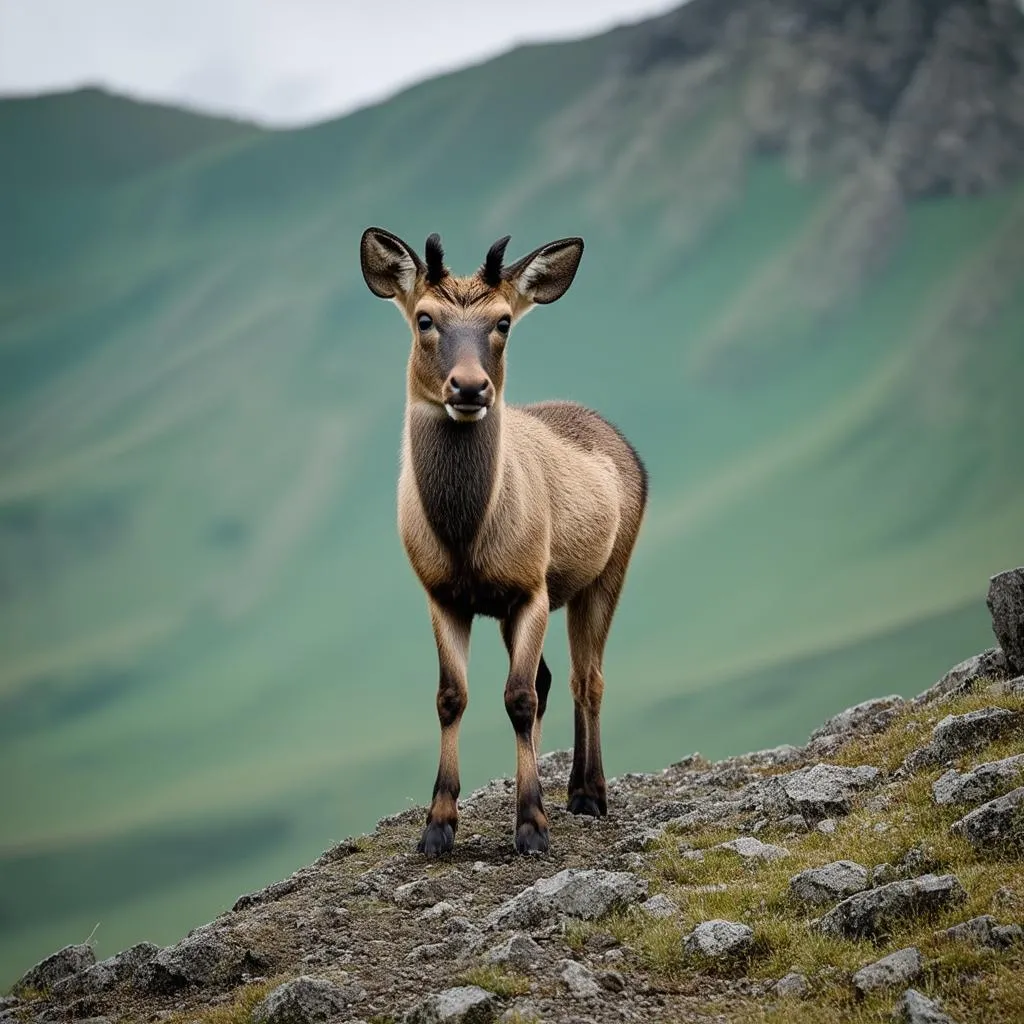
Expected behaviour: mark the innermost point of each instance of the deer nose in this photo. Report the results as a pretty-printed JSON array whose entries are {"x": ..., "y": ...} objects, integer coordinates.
[{"x": 465, "y": 389}]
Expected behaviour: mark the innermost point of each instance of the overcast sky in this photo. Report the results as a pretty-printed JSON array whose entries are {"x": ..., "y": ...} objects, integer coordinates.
[{"x": 276, "y": 61}]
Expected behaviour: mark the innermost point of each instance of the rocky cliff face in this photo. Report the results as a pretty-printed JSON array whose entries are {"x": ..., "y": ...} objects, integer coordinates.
[
  {"x": 877, "y": 867},
  {"x": 931, "y": 92}
]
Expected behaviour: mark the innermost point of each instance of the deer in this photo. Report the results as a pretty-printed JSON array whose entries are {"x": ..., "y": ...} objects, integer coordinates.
[{"x": 507, "y": 512}]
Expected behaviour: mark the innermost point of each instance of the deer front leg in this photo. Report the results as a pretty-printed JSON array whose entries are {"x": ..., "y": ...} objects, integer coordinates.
[
  {"x": 451, "y": 632},
  {"x": 526, "y": 629}
]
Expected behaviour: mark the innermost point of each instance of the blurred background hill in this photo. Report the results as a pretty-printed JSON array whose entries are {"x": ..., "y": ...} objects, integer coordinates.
[{"x": 802, "y": 299}]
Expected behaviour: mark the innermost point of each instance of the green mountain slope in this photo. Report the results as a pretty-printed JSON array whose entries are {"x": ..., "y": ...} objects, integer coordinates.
[{"x": 214, "y": 657}]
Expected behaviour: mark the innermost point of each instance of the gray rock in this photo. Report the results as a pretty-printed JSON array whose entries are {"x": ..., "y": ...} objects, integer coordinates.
[
  {"x": 824, "y": 791},
  {"x": 57, "y": 966},
  {"x": 990, "y": 664},
  {"x": 826, "y": 826},
  {"x": 1009, "y": 688},
  {"x": 201, "y": 958},
  {"x": 874, "y": 912},
  {"x": 611, "y": 981},
  {"x": 524, "y": 1011},
  {"x": 918, "y": 860},
  {"x": 962, "y": 734},
  {"x": 573, "y": 893},
  {"x": 271, "y": 893},
  {"x": 305, "y": 1000},
  {"x": 518, "y": 951},
  {"x": 659, "y": 906},
  {"x": 996, "y": 824},
  {"x": 830, "y": 882},
  {"x": 438, "y": 911},
  {"x": 108, "y": 973},
  {"x": 895, "y": 969},
  {"x": 984, "y": 931},
  {"x": 719, "y": 940},
  {"x": 753, "y": 849},
  {"x": 579, "y": 979},
  {"x": 424, "y": 892},
  {"x": 467, "y": 1004},
  {"x": 1006, "y": 604},
  {"x": 979, "y": 784},
  {"x": 793, "y": 985},
  {"x": 862, "y": 719},
  {"x": 643, "y": 839},
  {"x": 915, "y": 1008},
  {"x": 9, "y": 1002}
]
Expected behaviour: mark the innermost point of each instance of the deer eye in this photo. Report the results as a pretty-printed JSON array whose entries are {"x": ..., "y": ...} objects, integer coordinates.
[
  {"x": 503, "y": 325},
  {"x": 423, "y": 322}
]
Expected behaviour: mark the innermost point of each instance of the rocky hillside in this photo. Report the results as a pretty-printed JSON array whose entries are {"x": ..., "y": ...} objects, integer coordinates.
[
  {"x": 878, "y": 867},
  {"x": 801, "y": 300}
]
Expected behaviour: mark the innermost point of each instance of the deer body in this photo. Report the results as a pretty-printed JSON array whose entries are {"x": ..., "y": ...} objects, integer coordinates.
[{"x": 504, "y": 511}]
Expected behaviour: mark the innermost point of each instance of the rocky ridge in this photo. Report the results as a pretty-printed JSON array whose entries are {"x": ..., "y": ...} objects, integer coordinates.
[{"x": 822, "y": 880}]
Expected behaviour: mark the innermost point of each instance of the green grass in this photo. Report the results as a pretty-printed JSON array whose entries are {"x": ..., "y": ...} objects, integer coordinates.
[
  {"x": 502, "y": 983},
  {"x": 206, "y": 618}
]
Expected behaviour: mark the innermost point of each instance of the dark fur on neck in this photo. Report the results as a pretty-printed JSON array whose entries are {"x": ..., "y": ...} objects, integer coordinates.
[{"x": 455, "y": 466}]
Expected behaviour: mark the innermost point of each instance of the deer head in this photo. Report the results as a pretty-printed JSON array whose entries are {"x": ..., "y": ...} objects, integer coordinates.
[{"x": 460, "y": 325}]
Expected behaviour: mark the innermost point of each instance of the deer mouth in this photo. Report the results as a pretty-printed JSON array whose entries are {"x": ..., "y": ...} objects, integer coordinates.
[{"x": 466, "y": 412}]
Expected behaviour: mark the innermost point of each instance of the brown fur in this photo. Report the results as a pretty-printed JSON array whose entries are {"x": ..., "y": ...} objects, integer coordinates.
[{"x": 523, "y": 511}]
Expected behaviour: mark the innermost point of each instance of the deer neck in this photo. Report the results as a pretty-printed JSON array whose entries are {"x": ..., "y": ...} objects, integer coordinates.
[{"x": 457, "y": 468}]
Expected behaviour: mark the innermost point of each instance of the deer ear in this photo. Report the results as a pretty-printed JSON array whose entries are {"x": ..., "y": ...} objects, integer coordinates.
[
  {"x": 390, "y": 267},
  {"x": 545, "y": 275}
]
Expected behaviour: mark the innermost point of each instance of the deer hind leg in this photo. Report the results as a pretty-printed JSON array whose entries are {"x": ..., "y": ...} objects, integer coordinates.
[
  {"x": 589, "y": 617},
  {"x": 542, "y": 685},
  {"x": 451, "y": 632},
  {"x": 524, "y": 631}
]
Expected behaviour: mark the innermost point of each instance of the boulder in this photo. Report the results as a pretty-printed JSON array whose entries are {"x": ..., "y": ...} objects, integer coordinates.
[
  {"x": 962, "y": 734},
  {"x": 792, "y": 985},
  {"x": 875, "y": 912},
  {"x": 979, "y": 784},
  {"x": 305, "y": 1000},
  {"x": 1006, "y": 604},
  {"x": 580, "y": 980},
  {"x": 56, "y": 967},
  {"x": 984, "y": 931},
  {"x": 998, "y": 824},
  {"x": 201, "y": 958},
  {"x": 824, "y": 791},
  {"x": 438, "y": 911},
  {"x": 990, "y": 664},
  {"x": 829, "y": 883},
  {"x": 518, "y": 951},
  {"x": 659, "y": 906},
  {"x": 915, "y": 1008},
  {"x": 424, "y": 892},
  {"x": 467, "y": 1004},
  {"x": 869, "y": 717},
  {"x": 719, "y": 940},
  {"x": 895, "y": 969},
  {"x": 753, "y": 849},
  {"x": 108, "y": 973},
  {"x": 572, "y": 893}
]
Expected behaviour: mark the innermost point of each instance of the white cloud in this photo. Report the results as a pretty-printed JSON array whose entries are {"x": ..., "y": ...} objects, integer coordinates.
[{"x": 279, "y": 61}]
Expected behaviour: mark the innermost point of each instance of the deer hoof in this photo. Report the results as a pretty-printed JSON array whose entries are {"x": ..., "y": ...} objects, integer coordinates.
[
  {"x": 595, "y": 806},
  {"x": 530, "y": 839},
  {"x": 437, "y": 838}
]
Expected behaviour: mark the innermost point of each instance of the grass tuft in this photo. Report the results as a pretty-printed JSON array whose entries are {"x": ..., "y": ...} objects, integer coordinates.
[{"x": 502, "y": 983}]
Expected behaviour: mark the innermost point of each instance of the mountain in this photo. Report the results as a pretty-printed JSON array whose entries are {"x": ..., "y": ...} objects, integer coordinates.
[{"x": 801, "y": 300}]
